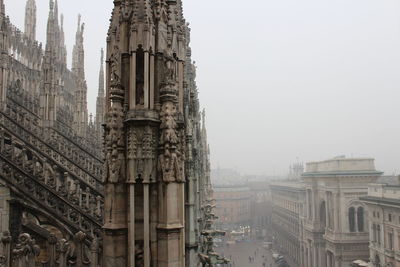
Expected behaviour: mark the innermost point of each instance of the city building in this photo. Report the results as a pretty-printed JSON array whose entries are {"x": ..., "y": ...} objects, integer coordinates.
[
  {"x": 233, "y": 205},
  {"x": 287, "y": 201},
  {"x": 383, "y": 206},
  {"x": 260, "y": 209},
  {"x": 335, "y": 225}
]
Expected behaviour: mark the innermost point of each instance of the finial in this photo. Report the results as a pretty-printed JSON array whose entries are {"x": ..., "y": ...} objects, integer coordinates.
[
  {"x": 79, "y": 21},
  {"x": 62, "y": 20},
  {"x": 102, "y": 56},
  {"x": 51, "y": 4}
]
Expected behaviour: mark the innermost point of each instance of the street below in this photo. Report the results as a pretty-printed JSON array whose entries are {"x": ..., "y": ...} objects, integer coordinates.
[{"x": 247, "y": 254}]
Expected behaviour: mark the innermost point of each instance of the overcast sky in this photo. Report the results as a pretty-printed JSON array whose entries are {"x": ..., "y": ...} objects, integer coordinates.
[{"x": 281, "y": 80}]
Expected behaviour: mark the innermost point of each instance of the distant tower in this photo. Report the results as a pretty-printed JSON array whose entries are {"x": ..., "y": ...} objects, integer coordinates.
[
  {"x": 78, "y": 69},
  {"x": 295, "y": 171},
  {"x": 145, "y": 140},
  {"x": 30, "y": 19},
  {"x": 48, "y": 89},
  {"x": 100, "y": 103}
]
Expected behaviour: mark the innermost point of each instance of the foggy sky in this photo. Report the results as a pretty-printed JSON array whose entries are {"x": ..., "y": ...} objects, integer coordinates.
[{"x": 281, "y": 80}]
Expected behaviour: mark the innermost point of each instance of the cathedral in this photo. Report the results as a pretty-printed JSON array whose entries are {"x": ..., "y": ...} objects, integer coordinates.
[{"x": 129, "y": 187}]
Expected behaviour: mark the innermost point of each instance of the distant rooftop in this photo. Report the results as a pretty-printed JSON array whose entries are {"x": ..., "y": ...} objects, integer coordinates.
[{"x": 342, "y": 165}]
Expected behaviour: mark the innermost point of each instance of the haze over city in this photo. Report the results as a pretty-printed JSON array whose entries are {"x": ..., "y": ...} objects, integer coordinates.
[{"x": 281, "y": 81}]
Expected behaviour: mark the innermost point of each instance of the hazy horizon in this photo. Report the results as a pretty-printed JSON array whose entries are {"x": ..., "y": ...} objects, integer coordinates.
[{"x": 281, "y": 81}]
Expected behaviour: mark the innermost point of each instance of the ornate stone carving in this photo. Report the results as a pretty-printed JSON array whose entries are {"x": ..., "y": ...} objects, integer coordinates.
[
  {"x": 25, "y": 251},
  {"x": 142, "y": 148},
  {"x": 115, "y": 163},
  {"x": 169, "y": 163},
  {"x": 64, "y": 250},
  {"x": 115, "y": 61}
]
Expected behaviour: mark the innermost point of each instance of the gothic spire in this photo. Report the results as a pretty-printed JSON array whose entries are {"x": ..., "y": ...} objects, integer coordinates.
[
  {"x": 78, "y": 60},
  {"x": 56, "y": 11},
  {"x": 30, "y": 19},
  {"x": 3, "y": 9},
  {"x": 100, "y": 103},
  {"x": 63, "y": 47},
  {"x": 50, "y": 28},
  {"x": 48, "y": 88},
  {"x": 101, "y": 75},
  {"x": 203, "y": 116},
  {"x": 78, "y": 68}
]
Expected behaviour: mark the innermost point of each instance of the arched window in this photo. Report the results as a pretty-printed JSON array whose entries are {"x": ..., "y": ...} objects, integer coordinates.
[
  {"x": 352, "y": 221},
  {"x": 360, "y": 219}
]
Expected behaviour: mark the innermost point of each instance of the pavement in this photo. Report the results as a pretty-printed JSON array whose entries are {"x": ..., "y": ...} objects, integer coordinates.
[{"x": 239, "y": 254}]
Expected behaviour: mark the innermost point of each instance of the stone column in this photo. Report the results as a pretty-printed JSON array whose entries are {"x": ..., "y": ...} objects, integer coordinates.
[
  {"x": 131, "y": 227},
  {"x": 328, "y": 259},
  {"x": 94, "y": 253},
  {"x": 336, "y": 212},
  {"x": 146, "y": 224},
  {"x": 322, "y": 256},
  {"x": 115, "y": 245},
  {"x": 315, "y": 255}
]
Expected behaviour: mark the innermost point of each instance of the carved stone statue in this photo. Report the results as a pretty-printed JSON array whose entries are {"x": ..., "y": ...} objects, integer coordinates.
[
  {"x": 115, "y": 66},
  {"x": 114, "y": 169}
]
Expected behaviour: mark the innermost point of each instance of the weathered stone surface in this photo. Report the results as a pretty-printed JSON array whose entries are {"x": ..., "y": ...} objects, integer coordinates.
[{"x": 143, "y": 197}]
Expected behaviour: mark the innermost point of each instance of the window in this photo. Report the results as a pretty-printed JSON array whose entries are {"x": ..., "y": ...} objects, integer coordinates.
[
  {"x": 398, "y": 240},
  {"x": 322, "y": 214},
  {"x": 390, "y": 217},
  {"x": 390, "y": 241},
  {"x": 378, "y": 231},
  {"x": 373, "y": 214},
  {"x": 352, "y": 222},
  {"x": 374, "y": 232},
  {"x": 309, "y": 200},
  {"x": 360, "y": 219}
]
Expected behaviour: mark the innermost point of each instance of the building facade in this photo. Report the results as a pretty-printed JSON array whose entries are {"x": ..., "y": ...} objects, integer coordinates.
[
  {"x": 260, "y": 209},
  {"x": 383, "y": 207},
  {"x": 287, "y": 201},
  {"x": 233, "y": 205},
  {"x": 335, "y": 226}
]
